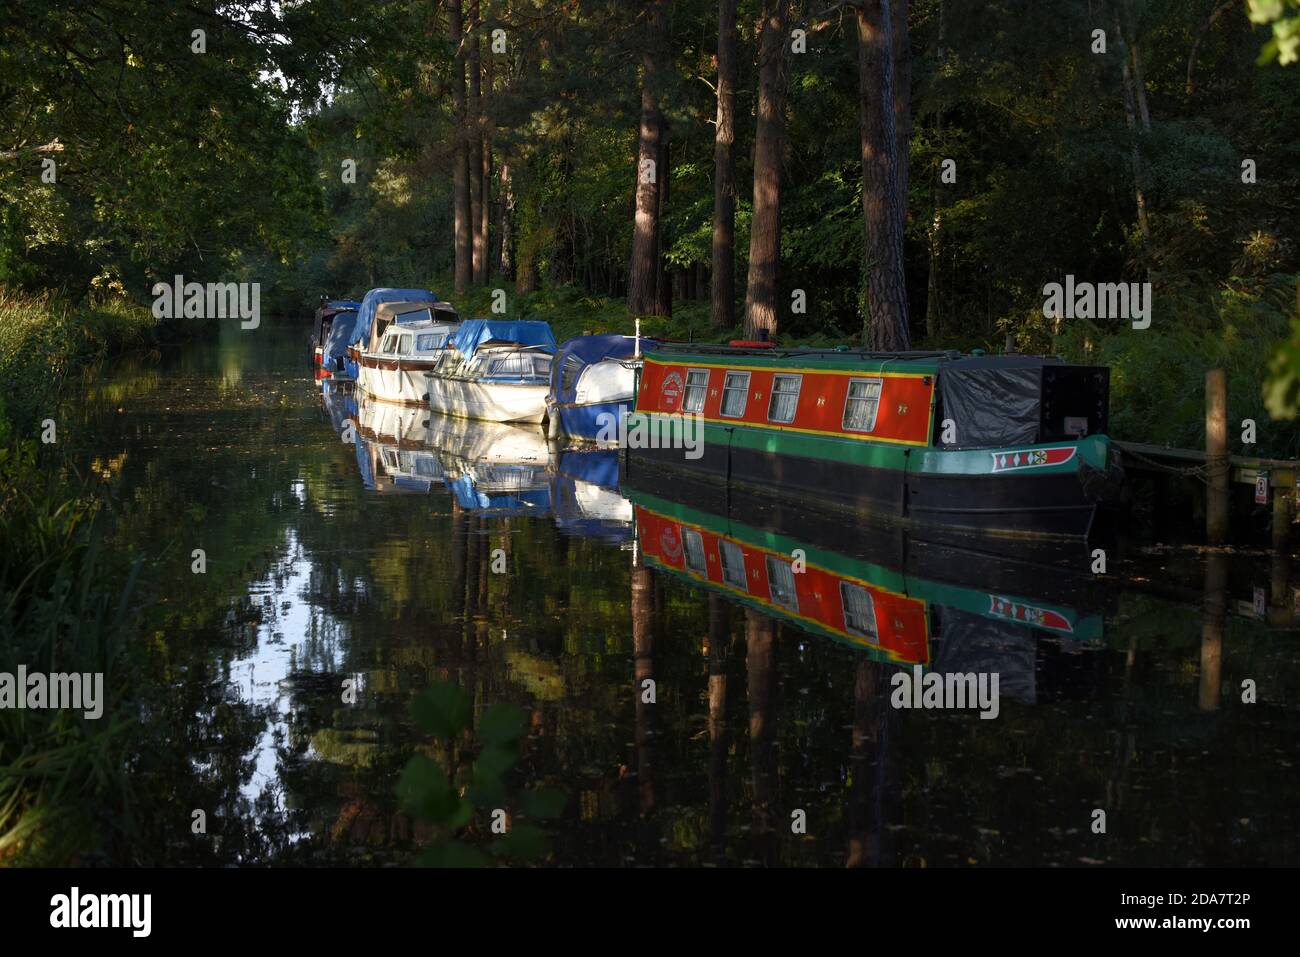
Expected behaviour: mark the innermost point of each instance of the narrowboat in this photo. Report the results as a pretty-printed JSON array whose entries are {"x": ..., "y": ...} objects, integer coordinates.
[
  {"x": 1004, "y": 446},
  {"x": 405, "y": 343},
  {"x": 593, "y": 384},
  {"x": 334, "y": 348},
  {"x": 326, "y": 315},
  {"x": 359, "y": 337},
  {"x": 494, "y": 370},
  {"x": 864, "y": 588}
]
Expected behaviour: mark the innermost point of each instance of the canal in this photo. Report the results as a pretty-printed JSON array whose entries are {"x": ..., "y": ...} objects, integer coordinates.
[{"x": 701, "y": 694}]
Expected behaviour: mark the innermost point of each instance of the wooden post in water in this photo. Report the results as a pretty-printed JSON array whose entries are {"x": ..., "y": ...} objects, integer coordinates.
[
  {"x": 1214, "y": 614},
  {"x": 1216, "y": 456},
  {"x": 1281, "y": 516}
]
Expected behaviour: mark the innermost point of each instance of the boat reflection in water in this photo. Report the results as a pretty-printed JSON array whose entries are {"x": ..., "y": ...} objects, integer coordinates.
[
  {"x": 901, "y": 600},
  {"x": 492, "y": 467}
]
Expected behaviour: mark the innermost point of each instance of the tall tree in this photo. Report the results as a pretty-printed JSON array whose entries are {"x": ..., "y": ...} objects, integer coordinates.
[
  {"x": 643, "y": 271},
  {"x": 474, "y": 138},
  {"x": 485, "y": 206},
  {"x": 460, "y": 158},
  {"x": 886, "y": 325},
  {"x": 765, "y": 225},
  {"x": 724, "y": 172}
]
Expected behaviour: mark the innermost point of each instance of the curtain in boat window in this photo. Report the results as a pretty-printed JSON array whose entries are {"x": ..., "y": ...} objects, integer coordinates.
[
  {"x": 785, "y": 397},
  {"x": 428, "y": 341},
  {"x": 697, "y": 384},
  {"x": 780, "y": 583},
  {"x": 735, "y": 390},
  {"x": 861, "y": 405},
  {"x": 733, "y": 565},
  {"x": 859, "y": 611}
]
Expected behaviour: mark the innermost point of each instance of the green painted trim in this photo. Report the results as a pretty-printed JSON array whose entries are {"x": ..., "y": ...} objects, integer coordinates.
[{"x": 813, "y": 363}]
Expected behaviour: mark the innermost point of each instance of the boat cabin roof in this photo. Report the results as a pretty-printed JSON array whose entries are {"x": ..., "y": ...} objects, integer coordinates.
[{"x": 841, "y": 358}]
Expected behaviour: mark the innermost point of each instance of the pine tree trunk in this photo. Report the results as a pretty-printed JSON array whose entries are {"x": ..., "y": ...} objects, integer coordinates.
[
  {"x": 886, "y": 294},
  {"x": 474, "y": 132},
  {"x": 765, "y": 225},
  {"x": 723, "y": 311},
  {"x": 643, "y": 271},
  {"x": 485, "y": 221},
  {"x": 460, "y": 159},
  {"x": 902, "y": 62},
  {"x": 664, "y": 281}
]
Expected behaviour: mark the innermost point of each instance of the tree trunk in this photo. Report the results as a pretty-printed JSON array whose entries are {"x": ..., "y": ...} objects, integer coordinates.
[
  {"x": 765, "y": 225},
  {"x": 474, "y": 133},
  {"x": 460, "y": 159},
  {"x": 486, "y": 206},
  {"x": 723, "y": 311},
  {"x": 505, "y": 234},
  {"x": 902, "y": 63},
  {"x": 643, "y": 271},
  {"x": 933, "y": 319},
  {"x": 664, "y": 280},
  {"x": 643, "y": 651},
  {"x": 760, "y": 640},
  {"x": 882, "y": 207}
]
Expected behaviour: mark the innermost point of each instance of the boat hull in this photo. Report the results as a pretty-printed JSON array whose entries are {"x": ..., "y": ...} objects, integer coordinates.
[
  {"x": 972, "y": 491},
  {"x": 593, "y": 422},
  {"x": 401, "y": 383},
  {"x": 523, "y": 403}
]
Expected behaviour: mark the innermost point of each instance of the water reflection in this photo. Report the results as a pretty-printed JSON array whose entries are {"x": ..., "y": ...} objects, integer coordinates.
[{"x": 354, "y": 542}]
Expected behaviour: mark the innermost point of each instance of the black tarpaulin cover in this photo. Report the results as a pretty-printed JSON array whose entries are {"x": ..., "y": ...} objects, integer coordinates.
[
  {"x": 974, "y": 644},
  {"x": 993, "y": 401}
]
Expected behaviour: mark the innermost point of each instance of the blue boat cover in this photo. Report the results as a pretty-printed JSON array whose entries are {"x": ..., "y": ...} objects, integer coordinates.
[
  {"x": 342, "y": 304},
  {"x": 366, "y": 311},
  {"x": 340, "y": 335},
  {"x": 527, "y": 332},
  {"x": 535, "y": 501},
  {"x": 590, "y": 350}
]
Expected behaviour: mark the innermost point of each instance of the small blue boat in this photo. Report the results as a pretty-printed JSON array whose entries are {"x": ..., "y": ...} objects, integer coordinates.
[{"x": 593, "y": 380}]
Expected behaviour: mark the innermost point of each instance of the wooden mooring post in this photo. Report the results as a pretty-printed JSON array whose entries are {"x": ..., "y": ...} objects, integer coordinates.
[{"x": 1216, "y": 456}]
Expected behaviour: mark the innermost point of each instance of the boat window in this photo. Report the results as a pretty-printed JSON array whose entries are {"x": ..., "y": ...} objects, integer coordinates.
[
  {"x": 785, "y": 398},
  {"x": 427, "y": 467},
  {"x": 569, "y": 373},
  {"x": 390, "y": 345},
  {"x": 697, "y": 384},
  {"x": 542, "y": 366},
  {"x": 449, "y": 361},
  {"x": 735, "y": 392},
  {"x": 390, "y": 460},
  {"x": 733, "y": 565},
  {"x": 694, "y": 543},
  {"x": 415, "y": 315},
  {"x": 780, "y": 583},
  {"x": 507, "y": 365},
  {"x": 861, "y": 404},
  {"x": 429, "y": 341},
  {"x": 404, "y": 346},
  {"x": 859, "y": 612}
]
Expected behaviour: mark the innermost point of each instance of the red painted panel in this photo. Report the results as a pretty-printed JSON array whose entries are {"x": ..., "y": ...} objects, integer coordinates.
[{"x": 903, "y": 414}]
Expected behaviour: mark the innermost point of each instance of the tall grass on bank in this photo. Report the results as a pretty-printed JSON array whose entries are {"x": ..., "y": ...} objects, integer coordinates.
[{"x": 64, "y": 779}]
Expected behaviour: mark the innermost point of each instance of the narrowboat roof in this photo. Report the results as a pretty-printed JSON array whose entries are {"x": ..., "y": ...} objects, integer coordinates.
[
  {"x": 479, "y": 332},
  {"x": 842, "y": 358}
]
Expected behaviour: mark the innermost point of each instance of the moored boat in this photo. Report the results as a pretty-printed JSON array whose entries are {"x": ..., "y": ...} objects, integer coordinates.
[
  {"x": 593, "y": 384},
  {"x": 498, "y": 371},
  {"x": 994, "y": 445},
  {"x": 359, "y": 337},
  {"x": 326, "y": 315},
  {"x": 405, "y": 343}
]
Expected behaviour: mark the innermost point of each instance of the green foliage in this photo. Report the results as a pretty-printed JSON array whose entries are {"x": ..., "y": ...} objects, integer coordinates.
[
  {"x": 1284, "y": 46},
  {"x": 445, "y": 712}
]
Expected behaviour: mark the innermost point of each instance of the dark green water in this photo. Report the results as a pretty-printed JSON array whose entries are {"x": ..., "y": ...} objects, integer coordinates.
[{"x": 318, "y": 572}]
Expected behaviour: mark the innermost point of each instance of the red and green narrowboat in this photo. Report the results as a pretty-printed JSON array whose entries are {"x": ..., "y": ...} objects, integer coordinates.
[
  {"x": 1006, "y": 445},
  {"x": 878, "y": 599}
]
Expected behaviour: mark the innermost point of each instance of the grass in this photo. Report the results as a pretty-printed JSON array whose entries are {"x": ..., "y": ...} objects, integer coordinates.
[{"x": 64, "y": 779}]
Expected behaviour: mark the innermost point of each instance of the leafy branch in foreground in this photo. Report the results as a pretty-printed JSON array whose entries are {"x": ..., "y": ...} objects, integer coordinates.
[{"x": 449, "y": 805}]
